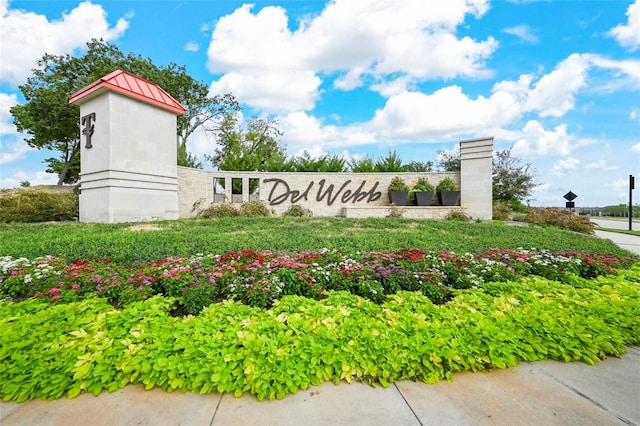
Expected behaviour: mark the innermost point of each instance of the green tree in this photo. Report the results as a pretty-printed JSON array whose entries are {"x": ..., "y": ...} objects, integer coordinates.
[
  {"x": 362, "y": 165},
  {"x": 325, "y": 163},
  {"x": 249, "y": 146},
  {"x": 391, "y": 163},
  {"x": 448, "y": 161},
  {"x": 418, "y": 166},
  {"x": 512, "y": 180},
  {"x": 52, "y": 123}
]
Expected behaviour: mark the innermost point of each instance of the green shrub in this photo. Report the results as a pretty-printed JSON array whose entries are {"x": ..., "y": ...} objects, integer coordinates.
[
  {"x": 397, "y": 184},
  {"x": 396, "y": 212},
  {"x": 297, "y": 210},
  {"x": 219, "y": 211},
  {"x": 502, "y": 211},
  {"x": 38, "y": 204},
  {"x": 458, "y": 215},
  {"x": 446, "y": 184},
  {"x": 559, "y": 218},
  {"x": 423, "y": 185},
  {"x": 254, "y": 209}
]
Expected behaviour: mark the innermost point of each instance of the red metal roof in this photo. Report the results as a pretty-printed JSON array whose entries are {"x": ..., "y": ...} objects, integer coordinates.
[{"x": 133, "y": 86}]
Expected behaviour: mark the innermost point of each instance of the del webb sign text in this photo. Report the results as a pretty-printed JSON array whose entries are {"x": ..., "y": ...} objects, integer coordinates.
[{"x": 347, "y": 192}]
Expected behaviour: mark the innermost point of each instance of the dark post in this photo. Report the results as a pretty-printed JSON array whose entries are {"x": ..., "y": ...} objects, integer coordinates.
[{"x": 632, "y": 184}]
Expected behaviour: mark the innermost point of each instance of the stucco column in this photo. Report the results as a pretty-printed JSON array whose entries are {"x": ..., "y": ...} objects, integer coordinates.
[{"x": 476, "y": 177}]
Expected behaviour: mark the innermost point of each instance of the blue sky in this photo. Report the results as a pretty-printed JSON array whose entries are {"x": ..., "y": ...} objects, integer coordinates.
[{"x": 556, "y": 81}]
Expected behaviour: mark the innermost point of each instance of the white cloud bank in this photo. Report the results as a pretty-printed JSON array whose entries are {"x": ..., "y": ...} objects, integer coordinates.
[
  {"x": 27, "y": 36},
  {"x": 629, "y": 35},
  {"x": 391, "y": 44}
]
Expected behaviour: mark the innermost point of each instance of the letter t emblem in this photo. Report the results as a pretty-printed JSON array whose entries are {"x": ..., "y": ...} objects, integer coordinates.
[{"x": 88, "y": 128}]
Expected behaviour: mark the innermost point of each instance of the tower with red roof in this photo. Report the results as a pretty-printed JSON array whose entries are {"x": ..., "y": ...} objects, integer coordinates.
[{"x": 128, "y": 170}]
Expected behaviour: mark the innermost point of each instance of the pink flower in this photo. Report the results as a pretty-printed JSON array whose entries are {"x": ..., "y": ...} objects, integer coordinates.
[
  {"x": 75, "y": 286},
  {"x": 54, "y": 298},
  {"x": 53, "y": 290}
]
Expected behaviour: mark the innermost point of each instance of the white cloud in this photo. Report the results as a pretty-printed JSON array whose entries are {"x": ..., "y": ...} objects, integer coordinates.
[
  {"x": 37, "y": 178},
  {"x": 303, "y": 131},
  {"x": 271, "y": 91},
  {"x": 563, "y": 166},
  {"x": 600, "y": 165},
  {"x": 523, "y": 32},
  {"x": 7, "y": 100},
  {"x": 192, "y": 46},
  {"x": 629, "y": 35},
  {"x": 554, "y": 94},
  {"x": 357, "y": 42},
  {"x": 625, "y": 73},
  {"x": 445, "y": 114},
  {"x": 14, "y": 151},
  {"x": 12, "y": 147},
  {"x": 536, "y": 142},
  {"x": 636, "y": 148},
  {"x": 26, "y": 36}
]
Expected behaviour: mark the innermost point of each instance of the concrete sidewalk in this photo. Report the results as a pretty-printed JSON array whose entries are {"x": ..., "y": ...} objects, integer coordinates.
[
  {"x": 625, "y": 241},
  {"x": 540, "y": 393}
]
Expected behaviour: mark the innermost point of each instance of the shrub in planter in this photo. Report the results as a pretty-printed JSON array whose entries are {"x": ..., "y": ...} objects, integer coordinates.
[
  {"x": 398, "y": 192},
  {"x": 448, "y": 193},
  {"x": 423, "y": 192}
]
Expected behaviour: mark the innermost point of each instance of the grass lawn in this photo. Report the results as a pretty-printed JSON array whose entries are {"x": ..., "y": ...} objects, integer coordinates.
[{"x": 126, "y": 243}]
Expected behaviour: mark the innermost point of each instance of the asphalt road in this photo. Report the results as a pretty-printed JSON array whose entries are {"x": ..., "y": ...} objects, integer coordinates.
[{"x": 617, "y": 224}]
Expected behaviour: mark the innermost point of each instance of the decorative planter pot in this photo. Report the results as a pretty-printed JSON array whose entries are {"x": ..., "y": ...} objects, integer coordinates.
[
  {"x": 449, "y": 198},
  {"x": 424, "y": 198},
  {"x": 399, "y": 198}
]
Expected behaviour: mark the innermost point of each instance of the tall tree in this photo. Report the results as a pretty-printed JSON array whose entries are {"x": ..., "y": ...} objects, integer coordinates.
[
  {"x": 324, "y": 164},
  {"x": 252, "y": 145},
  {"x": 391, "y": 163},
  {"x": 512, "y": 180},
  {"x": 449, "y": 161},
  {"x": 52, "y": 123}
]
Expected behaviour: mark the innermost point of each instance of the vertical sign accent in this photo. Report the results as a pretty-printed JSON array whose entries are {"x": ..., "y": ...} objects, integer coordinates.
[{"x": 88, "y": 128}]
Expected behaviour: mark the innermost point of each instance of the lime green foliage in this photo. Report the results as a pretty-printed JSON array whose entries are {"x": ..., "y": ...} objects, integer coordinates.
[
  {"x": 184, "y": 238},
  {"x": 446, "y": 184},
  {"x": 560, "y": 218},
  {"x": 49, "y": 350},
  {"x": 37, "y": 205},
  {"x": 397, "y": 184}
]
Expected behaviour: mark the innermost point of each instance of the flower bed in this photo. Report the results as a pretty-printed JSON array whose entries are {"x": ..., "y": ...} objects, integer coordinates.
[
  {"x": 48, "y": 350},
  {"x": 258, "y": 278}
]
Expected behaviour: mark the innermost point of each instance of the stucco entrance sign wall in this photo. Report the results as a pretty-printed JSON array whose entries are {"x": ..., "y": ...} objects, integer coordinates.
[
  {"x": 342, "y": 194},
  {"x": 128, "y": 162}
]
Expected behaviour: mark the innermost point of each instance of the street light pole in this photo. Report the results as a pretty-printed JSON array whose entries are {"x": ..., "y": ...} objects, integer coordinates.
[{"x": 632, "y": 182}]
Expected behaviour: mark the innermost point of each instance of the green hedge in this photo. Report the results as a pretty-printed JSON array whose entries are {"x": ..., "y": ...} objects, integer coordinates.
[{"x": 38, "y": 204}]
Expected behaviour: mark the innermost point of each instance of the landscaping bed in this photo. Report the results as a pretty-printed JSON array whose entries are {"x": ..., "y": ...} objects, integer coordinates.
[{"x": 274, "y": 321}]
